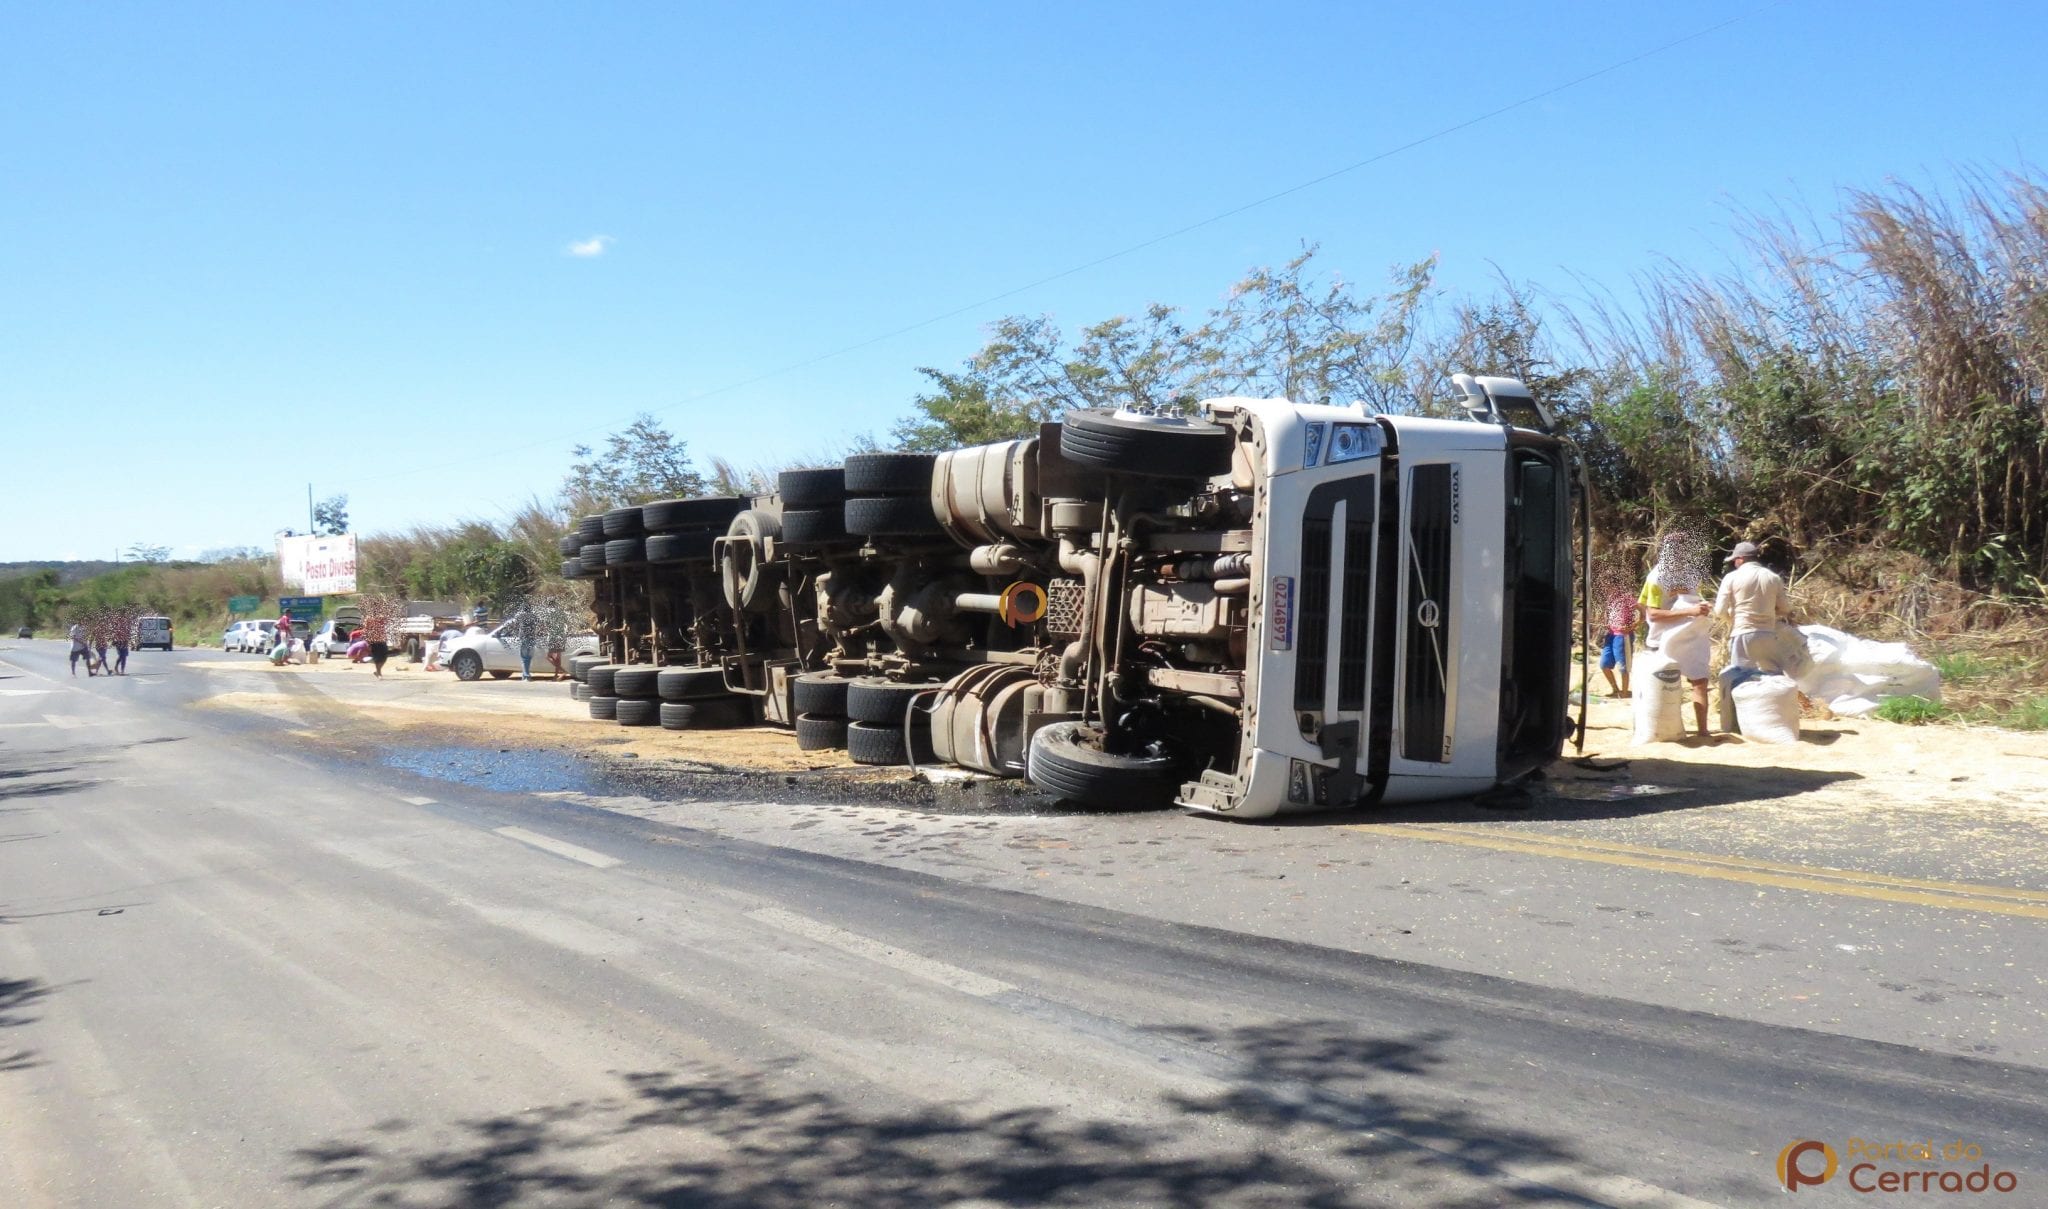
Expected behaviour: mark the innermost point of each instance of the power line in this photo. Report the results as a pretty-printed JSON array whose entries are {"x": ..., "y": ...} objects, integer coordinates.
[{"x": 1129, "y": 250}]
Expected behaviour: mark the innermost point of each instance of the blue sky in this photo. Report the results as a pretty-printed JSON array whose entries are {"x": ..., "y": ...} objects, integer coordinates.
[{"x": 247, "y": 248}]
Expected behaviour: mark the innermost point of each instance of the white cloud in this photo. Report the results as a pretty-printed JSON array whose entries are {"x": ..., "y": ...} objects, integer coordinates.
[{"x": 594, "y": 246}]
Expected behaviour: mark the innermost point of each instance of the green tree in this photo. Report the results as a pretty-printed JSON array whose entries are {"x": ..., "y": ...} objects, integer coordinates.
[
  {"x": 330, "y": 516},
  {"x": 643, "y": 462}
]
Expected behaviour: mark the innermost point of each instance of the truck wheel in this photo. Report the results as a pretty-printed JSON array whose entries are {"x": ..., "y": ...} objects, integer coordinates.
[
  {"x": 813, "y": 526},
  {"x": 605, "y": 708},
  {"x": 599, "y": 678},
  {"x": 819, "y": 734},
  {"x": 679, "y": 547},
  {"x": 1067, "y": 760},
  {"x": 578, "y": 691},
  {"x": 415, "y": 652},
  {"x": 890, "y": 473},
  {"x": 633, "y": 711},
  {"x": 892, "y": 516},
  {"x": 690, "y": 683},
  {"x": 590, "y": 529},
  {"x": 592, "y": 558},
  {"x": 570, "y": 545},
  {"x": 623, "y": 522},
  {"x": 820, "y": 694},
  {"x": 711, "y": 513},
  {"x": 882, "y": 701},
  {"x": 467, "y": 665},
  {"x": 572, "y": 568},
  {"x": 1161, "y": 446},
  {"x": 625, "y": 551},
  {"x": 714, "y": 714},
  {"x": 635, "y": 682},
  {"x": 822, "y": 487},
  {"x": 879, "y": 744},
  {"x": 748, "y": 578}
]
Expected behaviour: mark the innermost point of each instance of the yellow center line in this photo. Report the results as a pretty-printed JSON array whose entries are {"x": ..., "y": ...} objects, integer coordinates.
[
  {"x": 1954, "y": 896},
  {"x": 1864, "y": 877}
]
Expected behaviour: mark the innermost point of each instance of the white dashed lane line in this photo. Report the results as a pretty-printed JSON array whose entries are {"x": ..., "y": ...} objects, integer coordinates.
[
  {"x": 596, "y": 860},
  {"x": 417, "y": 801}
]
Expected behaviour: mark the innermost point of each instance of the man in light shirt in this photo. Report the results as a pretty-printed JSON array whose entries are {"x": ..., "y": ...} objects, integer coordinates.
[{"x": 1754, "y": 602}]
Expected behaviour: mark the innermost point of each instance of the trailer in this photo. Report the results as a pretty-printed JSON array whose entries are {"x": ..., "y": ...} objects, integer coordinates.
[{"x": 1266, "y": 607}]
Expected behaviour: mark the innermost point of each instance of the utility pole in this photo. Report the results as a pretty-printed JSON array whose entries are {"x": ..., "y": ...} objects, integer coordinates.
[{"x": 309, "y": 509}]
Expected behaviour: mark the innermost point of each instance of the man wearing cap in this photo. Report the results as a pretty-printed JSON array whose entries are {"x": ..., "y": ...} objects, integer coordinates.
[{"x": 1754, "y": 601}]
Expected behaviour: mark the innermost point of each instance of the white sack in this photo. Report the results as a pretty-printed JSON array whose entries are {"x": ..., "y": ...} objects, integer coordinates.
[
  {"x": 1852, "y": 675},
  {"x": 1657, "y": 692},
  {"x": 1767, "y": 709}
]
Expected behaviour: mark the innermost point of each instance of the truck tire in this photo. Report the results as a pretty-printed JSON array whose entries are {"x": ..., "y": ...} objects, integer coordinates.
[
  {"x": 820, "y": 694},
  {"x": 580, "y": 665},
  {"x": 882, "y": 701},
  {"x": 690, "y": 683},
  {"x": 814, "y": 526},
  {"x": 822, "y": 487},
  {"x": 636, "y": 682},
  {"x": 879, "y": 744},
  {"x": 680, "y": 547},
  {"x": 749, "y": 580},
  {"x": 572, "y": 568},
  {"x": 892, "y": 516},
  {"x": 623, "y": 522},
  {"x": 590, "y": 529},
  {"x": 578, "y": 691},
  {"x": 604, "y": 708},
  {"x": 415, "y": 649},
  {"x": 635, "y": 711},
  {"x": 1067, "y": 760},
  {"x": 467, "y": 665},
  {"x": 890, "y": 473},
  {"x": 1161, "y": 446},
  {"x": 711, "y": 513},
  {"x": 819, "y": 734},
  {"x": 599, "y": 679},
  {"x": 570, "y": 545},
  {"x": 717, "y": 713},
  {"x": 592, "y": 558},
  {"x": 625, "y": 552}
]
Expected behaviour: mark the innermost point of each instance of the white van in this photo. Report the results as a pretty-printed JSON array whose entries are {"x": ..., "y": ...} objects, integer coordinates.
[{"x": 152, "y": 631}]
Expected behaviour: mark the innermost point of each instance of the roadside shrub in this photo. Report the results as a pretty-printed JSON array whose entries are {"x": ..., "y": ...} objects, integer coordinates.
[{"x": 1912, "y": 711}]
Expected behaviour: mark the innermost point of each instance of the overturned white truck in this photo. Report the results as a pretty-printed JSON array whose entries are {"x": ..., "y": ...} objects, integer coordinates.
[{"x": 1274, "y": 607}]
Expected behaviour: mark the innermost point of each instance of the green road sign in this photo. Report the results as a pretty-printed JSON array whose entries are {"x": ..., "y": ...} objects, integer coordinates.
[{"x": 243, "y": 604}]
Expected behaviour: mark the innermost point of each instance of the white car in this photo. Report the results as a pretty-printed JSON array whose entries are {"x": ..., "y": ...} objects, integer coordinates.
[
  {"x": 249, "y": 636},
  {"x": 497, "y": 651}
]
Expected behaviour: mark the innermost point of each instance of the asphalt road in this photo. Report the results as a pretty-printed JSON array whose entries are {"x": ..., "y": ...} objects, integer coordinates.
[{"x": 236, "y": 971}]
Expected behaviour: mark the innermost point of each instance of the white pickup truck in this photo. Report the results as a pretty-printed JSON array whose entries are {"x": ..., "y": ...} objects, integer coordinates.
[{"x": 497, "y": 651}]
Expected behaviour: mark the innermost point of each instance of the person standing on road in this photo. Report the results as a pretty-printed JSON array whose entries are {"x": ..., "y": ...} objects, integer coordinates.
[
  {"x": 526, "y": 627},
  {"x": 1754, "y": 601},
  {"x": 284, "y": 628},
  {"x": 79, "y": 648},
  {"x": 1677, "y": 615},
  {"x": 120, "y": 667},
  {"x": 377, "y": 630}
]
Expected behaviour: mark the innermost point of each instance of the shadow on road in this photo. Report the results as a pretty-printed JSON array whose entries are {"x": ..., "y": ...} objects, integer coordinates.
[
  {"x": 1303, "y": 1114},
  {"x": 17, "y": 994}
]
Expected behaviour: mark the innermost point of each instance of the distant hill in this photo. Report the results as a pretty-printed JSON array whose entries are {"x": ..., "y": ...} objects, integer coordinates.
[{"x": 67, "y": 572}]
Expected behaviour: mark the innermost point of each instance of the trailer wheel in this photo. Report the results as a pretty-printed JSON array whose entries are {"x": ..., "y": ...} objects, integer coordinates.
[
  {"x": 592, "y": 558},
  {"x": 882, "y": 701},
  {"x": 634, "y": 711},
  {"x": 881, "y": 744},
  {"x": 635, "y": 681},
  {"x": 623, "y": 522},
  {"x": 580, "y": 665},
  {"x": 578, "y": 691},
  {"x": 599, "y": 678},
  {"x": 819, "y": 734},
  {"x": 713, "y": 512},
  {"x": 814, "y": 526},
  {"x": 679, "y": 547},
  {"x": 570, "y": 545},
  {"x": 822, "y": 487},
  {"x": 1161, "y": 446},
  {"x": 690, "y": 683},
  {"x": 604, "y": 708},
  {"x": 590, "y": 529},
  {"x": 892, "y": 516},
  {"x": 625, "y": 551},
  {"x": 820, "y": 694},
  {"x": 707, "y": 714},
  {"x": 890, "y": 473},
  {"x": 1067, "y": 760}
]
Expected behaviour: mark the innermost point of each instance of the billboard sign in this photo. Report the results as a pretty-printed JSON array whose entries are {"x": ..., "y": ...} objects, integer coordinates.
[
  {"x": 243, "y": 604},
  {"x": 318, "y": 566}
]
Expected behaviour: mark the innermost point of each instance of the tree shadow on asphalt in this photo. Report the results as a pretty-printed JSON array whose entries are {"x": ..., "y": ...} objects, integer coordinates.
[
  {"x": 16, "y": 995},
  {"x": 1302, "y": 1114}
]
